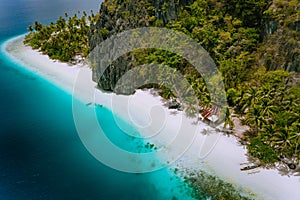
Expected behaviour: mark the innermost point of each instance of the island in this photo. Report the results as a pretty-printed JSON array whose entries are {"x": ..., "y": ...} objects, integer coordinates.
[{"x": 255, "y": 45}]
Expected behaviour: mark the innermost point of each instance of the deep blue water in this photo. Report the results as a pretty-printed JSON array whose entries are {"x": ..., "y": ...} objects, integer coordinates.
[{"x": 41, "y": 155}]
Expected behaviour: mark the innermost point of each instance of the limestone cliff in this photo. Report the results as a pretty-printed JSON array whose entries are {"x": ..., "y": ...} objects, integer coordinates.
[
  {"x": 281, "y": 33},
  {"x": 279, "y": 47},
  {"x": 119, "y": 15}
]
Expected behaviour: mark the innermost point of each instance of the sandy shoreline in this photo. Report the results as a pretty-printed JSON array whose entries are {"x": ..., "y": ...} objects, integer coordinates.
[{"x": 147, "y": 113}]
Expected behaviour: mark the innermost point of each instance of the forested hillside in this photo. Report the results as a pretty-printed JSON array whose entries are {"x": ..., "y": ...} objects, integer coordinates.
[{"x": 254, "y": 43}]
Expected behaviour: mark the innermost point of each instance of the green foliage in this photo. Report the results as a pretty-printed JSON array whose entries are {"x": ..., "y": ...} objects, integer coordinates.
[
  {"x": 104, "y": 32},
  {"x": 230, "y": 30},
  {"x": 263, "y": 152},
  {"x": 212, "y": 187},
  {"x": 158, "y": 23},
  {"x": 249, "y": 11},
  {"x": 270, "y": 107},
  {"x": 62, "y": 40}
]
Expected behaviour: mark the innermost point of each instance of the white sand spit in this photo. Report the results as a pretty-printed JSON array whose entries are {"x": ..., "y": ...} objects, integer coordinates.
[{"x": 161, "y": 126}]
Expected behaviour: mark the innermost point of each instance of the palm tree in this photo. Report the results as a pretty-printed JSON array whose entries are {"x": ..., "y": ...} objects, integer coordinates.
[
  {"x": 90, "y": 19},
  {"x": 191, "y": 106},
  {"x": 61, "y": 23},
  {"x": 228, "y": 119},
  {"x": 52, "y": 26},
  {"x": 92, "y": 14},
  {"x": 167, "y": 93},
  {"x": 37, "y": 26},
  {"x": 247, "y": 99},
  {"x": 253, "y": 118},
  {"x": 29, "y": 28}
]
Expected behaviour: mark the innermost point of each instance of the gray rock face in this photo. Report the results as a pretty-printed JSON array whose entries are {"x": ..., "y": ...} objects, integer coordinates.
[
  {"x": 270, "y": 27},
  {"x": 117, "y": 16},
  {"x": 281, "y": 35},
  {"x": 279, "y": 50},
  {"x": 173, "y": 104}
]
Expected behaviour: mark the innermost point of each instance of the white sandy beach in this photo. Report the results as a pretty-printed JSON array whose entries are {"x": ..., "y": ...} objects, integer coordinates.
[{"x": 161, "y": 126}]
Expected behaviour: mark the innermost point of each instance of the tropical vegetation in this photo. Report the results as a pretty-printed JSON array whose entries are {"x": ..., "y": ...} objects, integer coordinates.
[
  {"x": 267, "y": 100},
  {"x": 207, "y": 186},
  {"x": 63, "y": 40}
]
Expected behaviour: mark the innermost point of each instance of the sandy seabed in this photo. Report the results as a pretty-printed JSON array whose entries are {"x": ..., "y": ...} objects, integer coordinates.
[{"x": 220, "y": 155}]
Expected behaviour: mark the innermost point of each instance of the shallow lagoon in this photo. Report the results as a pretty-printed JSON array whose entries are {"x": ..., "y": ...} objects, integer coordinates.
[{"x": 41, "y": 155}]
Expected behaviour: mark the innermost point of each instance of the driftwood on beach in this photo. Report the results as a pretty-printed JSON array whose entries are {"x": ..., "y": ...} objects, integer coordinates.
[{"x": 249, "y": 167}]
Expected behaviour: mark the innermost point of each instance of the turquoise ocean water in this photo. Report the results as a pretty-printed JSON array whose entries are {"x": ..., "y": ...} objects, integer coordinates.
[{"x": 41, "y": 155}]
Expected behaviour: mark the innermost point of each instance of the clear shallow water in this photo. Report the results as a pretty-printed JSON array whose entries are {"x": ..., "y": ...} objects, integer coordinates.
[{"x": 41, "y": 155}]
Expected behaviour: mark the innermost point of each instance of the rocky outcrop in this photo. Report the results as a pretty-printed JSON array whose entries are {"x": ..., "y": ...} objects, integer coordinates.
[
  {"x": 281, "y": 51},
  {"x": 173, "y": 104},
  {"x": 119, "y": 15},
  {"x": 281, "y": 34},
  {"x": 279, "y": 25}
]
